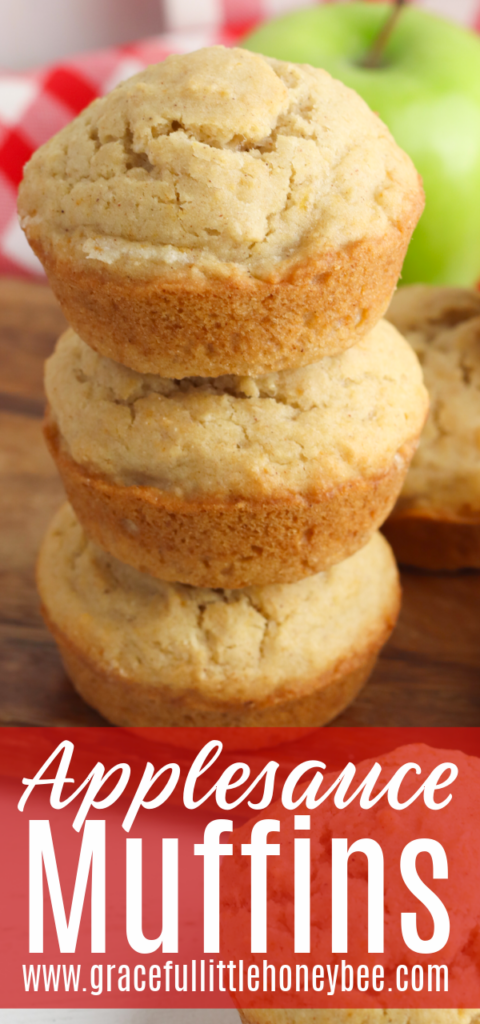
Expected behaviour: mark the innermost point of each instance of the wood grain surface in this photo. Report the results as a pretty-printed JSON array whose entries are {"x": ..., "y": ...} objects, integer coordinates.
[{"x": 428, "y": 674}]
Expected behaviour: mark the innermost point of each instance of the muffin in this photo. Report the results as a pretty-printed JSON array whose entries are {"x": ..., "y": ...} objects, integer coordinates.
[
  {"x": 148, "y": 653},
  {"x": 235, "y": 481},
  {"x": 222, "y": 213},
  {"x": 436, "y": 523},
  {"x": 455, "y": 829},
  {"x": 364, "y": 1016}
]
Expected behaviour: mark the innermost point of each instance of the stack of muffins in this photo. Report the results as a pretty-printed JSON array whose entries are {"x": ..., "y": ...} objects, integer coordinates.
[{"x": 231, "y": 418}]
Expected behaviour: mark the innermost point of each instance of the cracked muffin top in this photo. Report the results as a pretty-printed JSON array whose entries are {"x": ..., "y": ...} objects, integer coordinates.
[
  {"x": 216, "y": 158},
  {"x": 240, "y": 643},
  {"x": 296, "y": 430},
  {"x": 443, "y": 327}
]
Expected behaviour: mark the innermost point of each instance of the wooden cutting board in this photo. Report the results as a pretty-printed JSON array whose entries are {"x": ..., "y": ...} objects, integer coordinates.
[{"x": 428, "y": 674}]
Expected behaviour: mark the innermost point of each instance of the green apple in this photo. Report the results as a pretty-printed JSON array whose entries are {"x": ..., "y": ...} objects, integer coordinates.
[{"x": 427, "y": 90}]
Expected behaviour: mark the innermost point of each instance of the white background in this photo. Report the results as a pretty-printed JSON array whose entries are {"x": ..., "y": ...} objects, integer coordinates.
[
  {"x": 119, "y": 1017},
  {"x": 34, "y": 32}
]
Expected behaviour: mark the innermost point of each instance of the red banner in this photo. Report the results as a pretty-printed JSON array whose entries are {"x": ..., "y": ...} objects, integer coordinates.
[{"x": 195, "y": 868}]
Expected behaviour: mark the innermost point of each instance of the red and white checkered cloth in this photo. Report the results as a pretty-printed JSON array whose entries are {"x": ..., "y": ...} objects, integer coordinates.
[{"x": 35, "y": 105}]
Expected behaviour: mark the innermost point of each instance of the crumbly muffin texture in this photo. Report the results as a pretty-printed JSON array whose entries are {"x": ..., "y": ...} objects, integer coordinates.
[
  {"x": 217, "y": 159},
  {"x": 294, "y": 431},
  {"x": 237, "y": 645},
  {"x": 364, "y": 1016},
  {"x": 443, "y": 327}
]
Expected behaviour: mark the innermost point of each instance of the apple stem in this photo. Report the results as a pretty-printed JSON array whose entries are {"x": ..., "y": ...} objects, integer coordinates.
[{"x": 374, "y": 55}]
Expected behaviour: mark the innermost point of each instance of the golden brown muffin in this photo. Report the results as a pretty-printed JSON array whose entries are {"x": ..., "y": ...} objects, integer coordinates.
[
  {"x": 235, "y": 481},
  {"x": 222, "y": 212},
  {"x": 436, "y": 522},
  {"x": 148, "y": 653}
]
